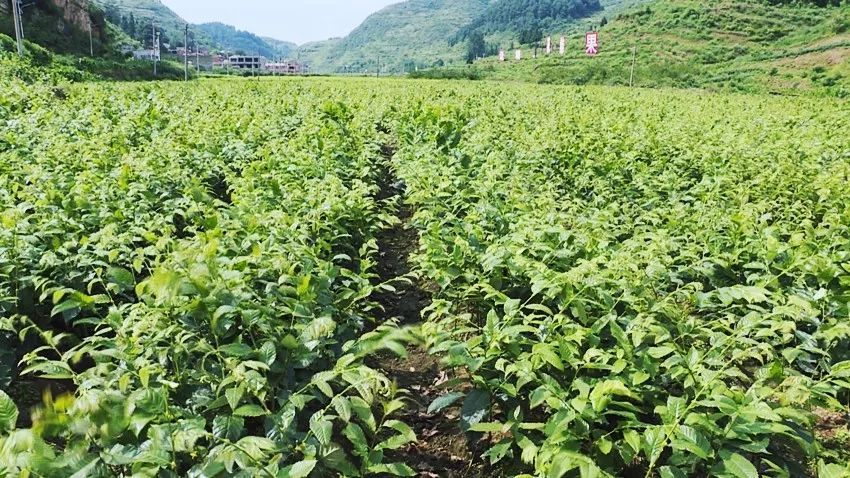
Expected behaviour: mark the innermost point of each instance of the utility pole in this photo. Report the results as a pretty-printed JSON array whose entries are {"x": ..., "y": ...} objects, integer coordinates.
[
  {"x": 634, "y": 60},
  {"x": 154, "y": 46},
  {"x": 19, "y": 25},
  {"x": 197, "y": 58},
  {"x": 91, "y": 43},
  {"x": 186, "y": 54}
]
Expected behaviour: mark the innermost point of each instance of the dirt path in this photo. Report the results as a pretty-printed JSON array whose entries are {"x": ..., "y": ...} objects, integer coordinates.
[{"x": 442, "y": 449}]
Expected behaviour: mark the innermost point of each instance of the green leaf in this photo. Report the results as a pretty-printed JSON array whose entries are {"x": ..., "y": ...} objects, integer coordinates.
[
  {"x": 491, "y": 427},
  {"x": 236, "y": 350},
  {"x": 632, "y": 438},
  {"x": 498, "y": 452},
  {"x": 739, "y": 466},
  {"x": 121, "y": 277},
  {"x": 8, "y": 413},
  {"x": 250, "y": 411},
  {"x": 234, "y": 396},
  {"x": 229, "y": 428},
  {"x": 302, "y": 469},
  {"x": 832, "y": 470},
  {"x": 357, "y": 438},
  {"x": 601, "y": 395},
  {"x": 363, "y": 411},
  {"x": 343, "y": 407},
  {"x": 405, "y": 435},
  {"x": 303, "y": 286},
  {"x": 567, "y": 461},
  {"x": 605, "y": 445},
  {"x": 70, "y": 305},
  {"x": 395, "y": 469},
  {"x": 691, "y": 440},
  {"x": 444, "y": 401},
  {"x": 322, "y": 429},
  {"x": 474, "y": 408},
  {"x": 529, "y": 450},
  {"x": 187, "y": 434},
  {"x": 548, "y": 354},
  {"x": 256, "y": 447},
  {"x": 671, "y": 472},
  {"x": 655, "y": 440}
]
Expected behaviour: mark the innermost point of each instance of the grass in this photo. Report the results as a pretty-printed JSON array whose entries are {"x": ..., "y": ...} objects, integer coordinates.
[{"x": 726, "y": 45}]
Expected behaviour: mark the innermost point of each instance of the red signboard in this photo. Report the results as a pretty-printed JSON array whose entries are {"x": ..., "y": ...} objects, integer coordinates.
[{"x": 591, "y": 43}]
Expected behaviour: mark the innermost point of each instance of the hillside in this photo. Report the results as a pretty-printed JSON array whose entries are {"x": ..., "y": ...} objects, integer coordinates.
[
  {"x": 419, "y": 34},
  {"x": 528, "y": 17},
  {"x": 719, "y": 44},
  {"x": 282, "y": 48},
  {"x": 136, "y": 17},
  {"x": 62, "y": 26},
  {"x": 229, "y": 38},
  {"x": 399, "y": 37}
]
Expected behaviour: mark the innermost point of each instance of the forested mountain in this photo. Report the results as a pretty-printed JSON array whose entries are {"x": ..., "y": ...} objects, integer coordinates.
[
  {"x": 423, "y": 33},
  {"x": 228, "y": 37},
  {"x": 283, "y": 48},
  {"x": 400, "y": 37},
  {"x": 63, "y": 26},
  {"x": 137, "y": 18},
  {"x": 740, "y": 45},
  {"x": 528, "y": 18}
]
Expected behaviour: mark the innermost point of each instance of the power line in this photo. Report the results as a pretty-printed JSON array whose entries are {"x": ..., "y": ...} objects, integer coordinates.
[
  {"x": 186, "y": 55},
  {"x": 19, "y": 26}
]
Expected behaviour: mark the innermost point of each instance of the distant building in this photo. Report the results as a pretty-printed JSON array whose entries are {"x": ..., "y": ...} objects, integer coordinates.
[
  {"x": 219, "y": 61},
  {"x": 149, "y": 55},
  {"x": 246, "y": 62},
  {"x": 286, "y": 68}
]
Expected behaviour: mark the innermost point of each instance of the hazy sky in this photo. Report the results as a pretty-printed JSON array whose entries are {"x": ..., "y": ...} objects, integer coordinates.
[{"x": 298, "y": 21}]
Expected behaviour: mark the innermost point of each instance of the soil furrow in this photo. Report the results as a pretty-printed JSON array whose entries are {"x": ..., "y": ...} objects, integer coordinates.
[{"x": 442, "y": 449}]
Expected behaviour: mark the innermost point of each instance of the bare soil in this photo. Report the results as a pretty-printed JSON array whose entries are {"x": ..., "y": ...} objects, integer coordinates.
[
  {"x": 443, "y": 450},
  {"x": 828, "y": 424}
]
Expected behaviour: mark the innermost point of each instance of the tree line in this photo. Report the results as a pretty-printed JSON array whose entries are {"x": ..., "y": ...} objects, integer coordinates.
[{"x": 526, "y": 17}]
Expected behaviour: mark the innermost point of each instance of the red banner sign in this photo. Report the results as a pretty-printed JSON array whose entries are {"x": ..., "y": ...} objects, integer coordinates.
[{"x": 591, "y": 43}]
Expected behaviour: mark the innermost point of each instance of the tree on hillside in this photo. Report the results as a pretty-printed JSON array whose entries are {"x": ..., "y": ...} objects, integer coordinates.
[
  {"x": 527, "y": 17},
  {"x": 476, "y": 47},
  {"x": 530, "y": 35},
  {"x": 131, "y": 26}
]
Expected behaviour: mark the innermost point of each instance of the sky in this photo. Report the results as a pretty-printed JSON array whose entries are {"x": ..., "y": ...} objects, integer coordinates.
[{"x": 298, "y": 21}]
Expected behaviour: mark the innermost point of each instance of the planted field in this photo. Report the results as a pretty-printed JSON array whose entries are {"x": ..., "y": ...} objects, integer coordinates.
[{"x": 351, "y": 278}]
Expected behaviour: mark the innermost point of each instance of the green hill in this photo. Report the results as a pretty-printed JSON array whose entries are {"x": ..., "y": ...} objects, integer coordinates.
[
  {"x": 528, "y": 17},
  {"x": 717, "y": 44},
  {"x": 136, "y": 18},
  {"x": 399, "y": 37},
  {"x": 62, "y": 26},
  {"x": 282, "y": 48},
  {"x": 419, "y": 34},
  {"x": 229, "y": 38}
]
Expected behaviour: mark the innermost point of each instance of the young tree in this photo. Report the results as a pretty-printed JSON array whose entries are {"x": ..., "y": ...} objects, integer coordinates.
[
  {"x": 477, "y": 47},
  {"x": 131, "y": 26}
]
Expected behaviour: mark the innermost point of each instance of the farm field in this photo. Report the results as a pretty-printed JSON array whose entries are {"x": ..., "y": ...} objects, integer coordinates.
[{"x": 358, "y": 277}]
